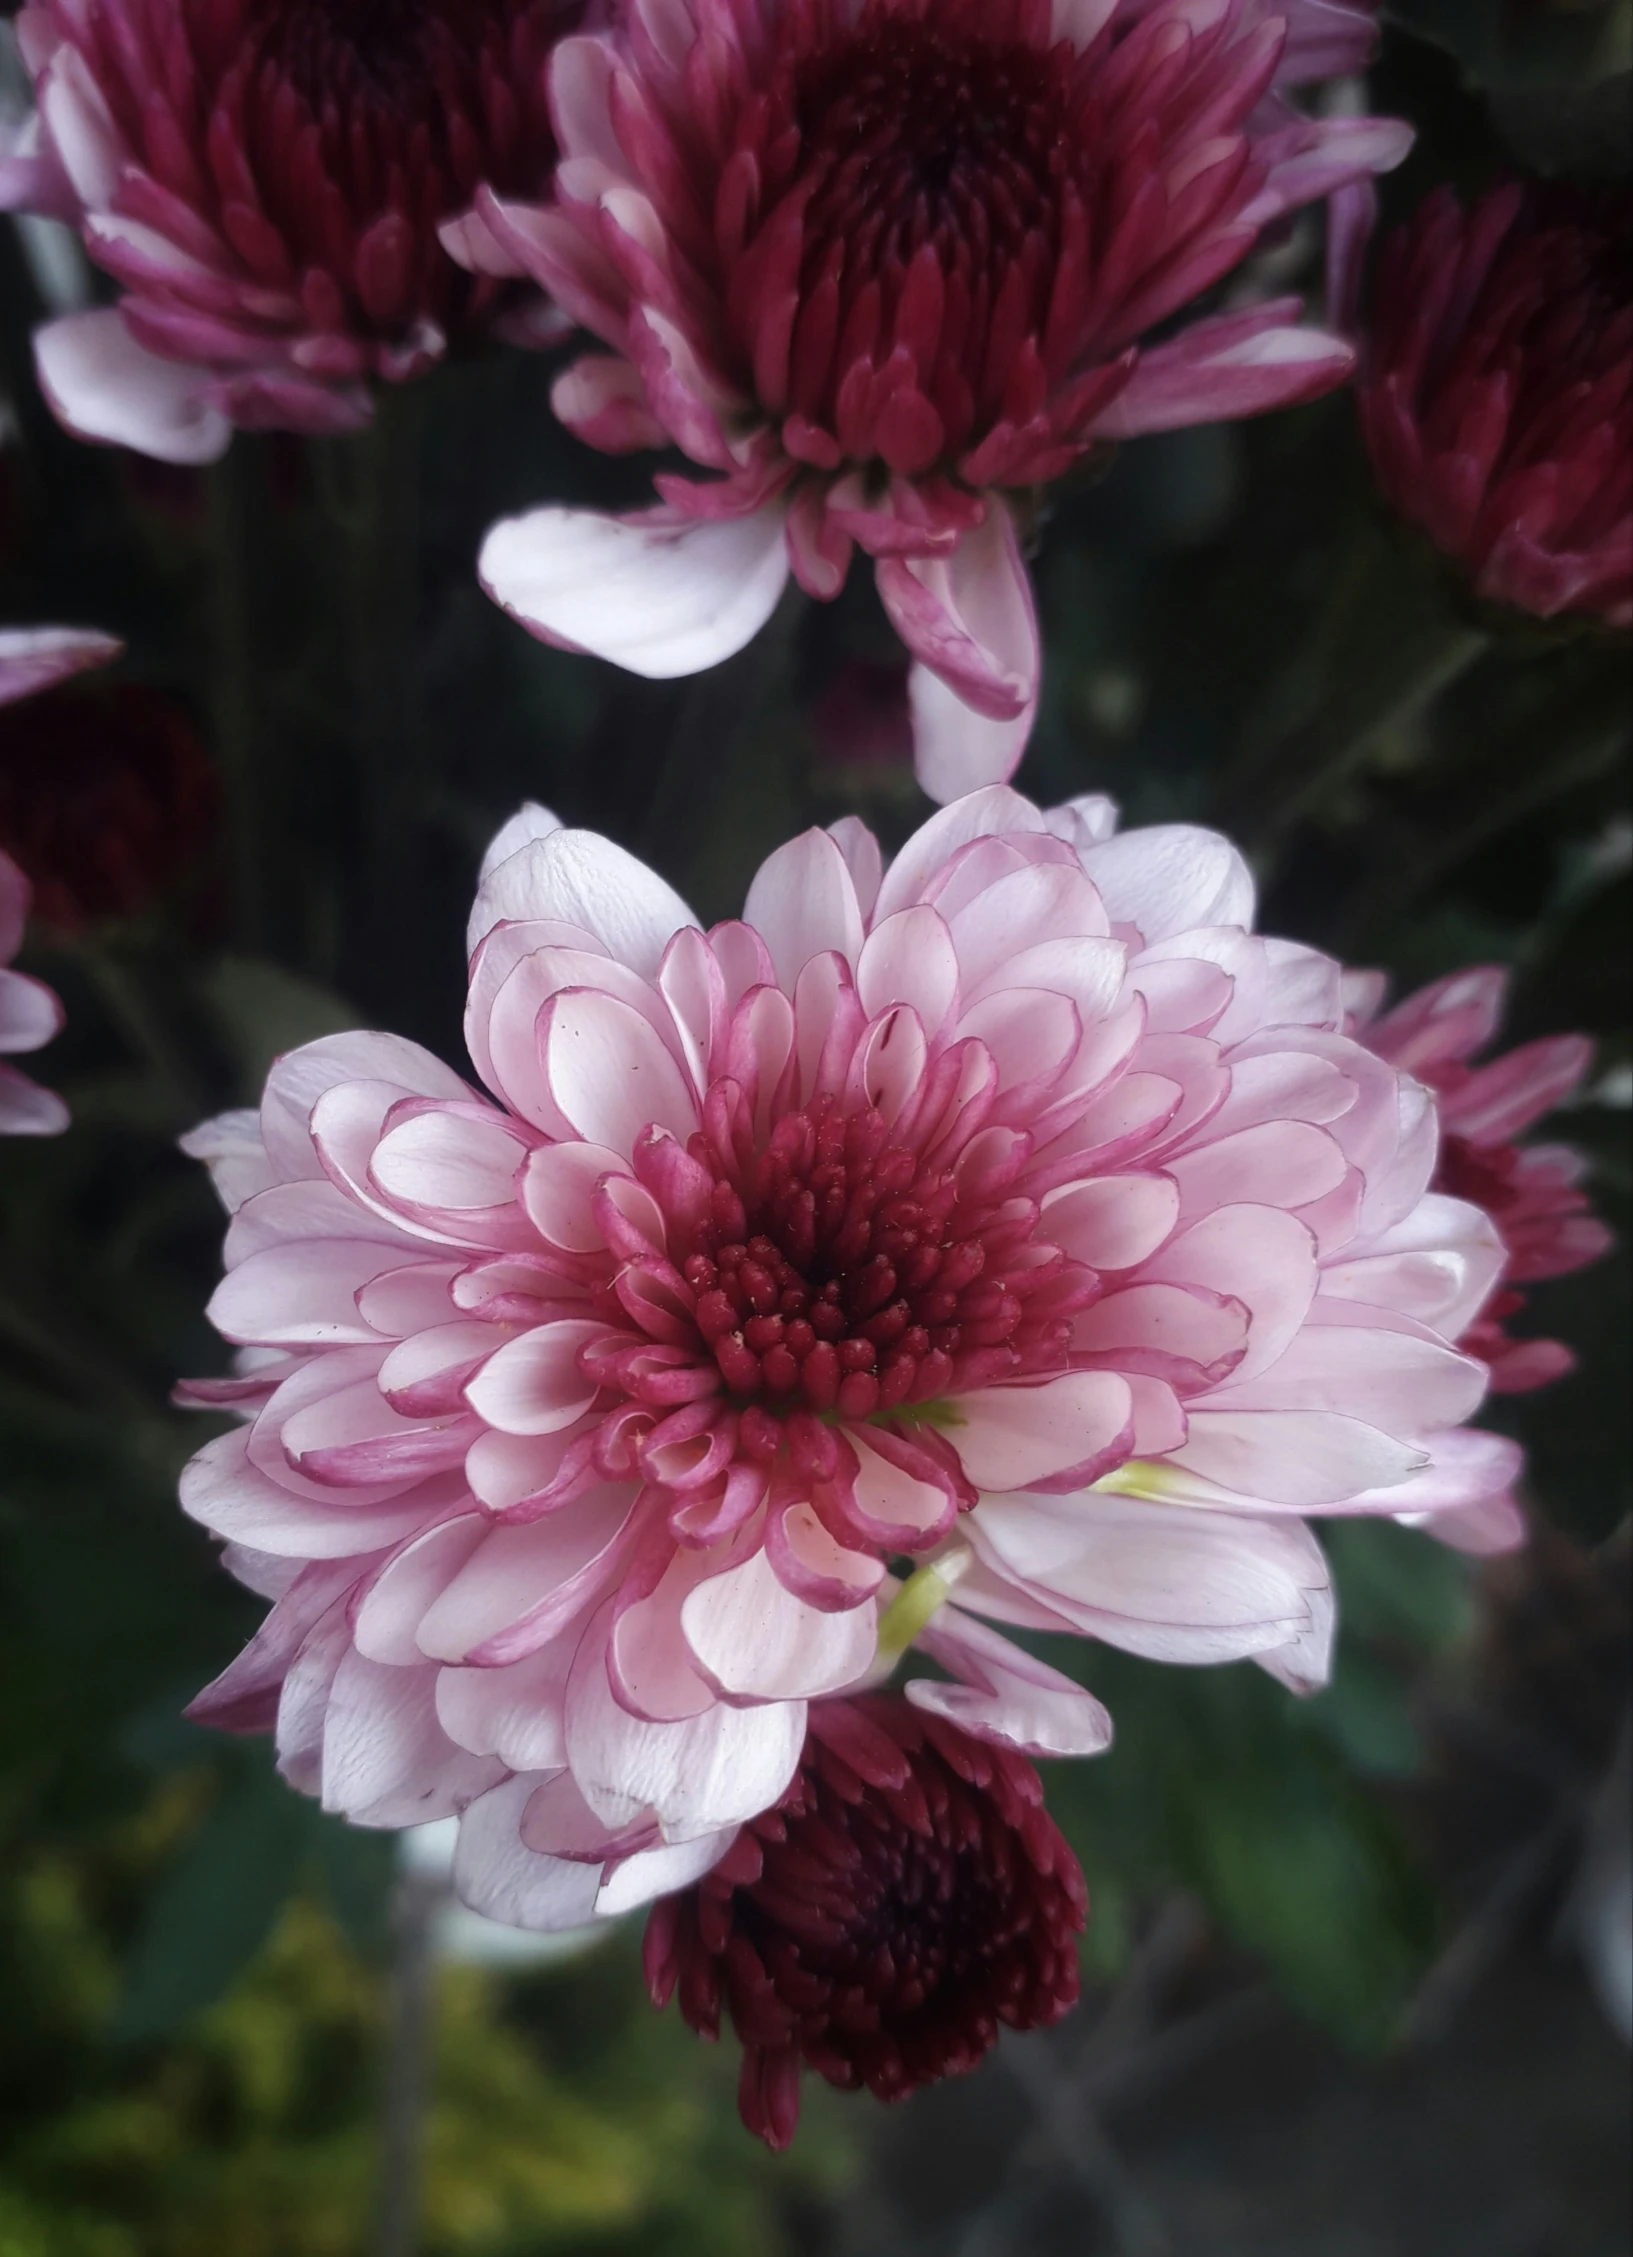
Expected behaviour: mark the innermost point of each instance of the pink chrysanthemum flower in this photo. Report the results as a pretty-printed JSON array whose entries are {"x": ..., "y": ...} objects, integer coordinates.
[
  {"x": 31, "y": 659},
  {"x": 265, "y": 182},
  {"x": 906, "y": 1896},
  {"x": 1497, "y": 392},
  {"x": 883, "y": 267},
  {"x": 1014, "y": 1216},
  {"x": 1532, "y": 1192}
]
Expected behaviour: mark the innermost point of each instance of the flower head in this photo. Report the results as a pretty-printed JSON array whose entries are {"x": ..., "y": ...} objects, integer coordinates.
[
  {"x": 266, "y": 182},
  {"x": 1497, "y": 393},
  {"x": 878, "y": 267},
  {"x": 106, "y": 796},
  {"x": 1014, "y": 1219},
  {"x": 1532, "y": 1192},
  {"x": 906, "y": 1895}
]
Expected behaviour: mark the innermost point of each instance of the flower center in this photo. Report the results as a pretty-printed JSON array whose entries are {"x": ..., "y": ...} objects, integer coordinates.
[
  {"x": 915, "y": 125},
  {"x": 840, "y": 1272},
  {"x": 388, "y": 49},
  {"x": 929, "y": 171}
]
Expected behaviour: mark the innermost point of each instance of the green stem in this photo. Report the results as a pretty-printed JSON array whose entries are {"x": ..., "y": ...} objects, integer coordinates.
[
  {"x": 380, "y": 524},
  {"x": 411, "y": 2018},
  {"x": 1386, "y": 647},
  {"x": 130, "y": 1006},
  {"x": 75, "y": 1360},
  {"x": 233, "y": 493}
]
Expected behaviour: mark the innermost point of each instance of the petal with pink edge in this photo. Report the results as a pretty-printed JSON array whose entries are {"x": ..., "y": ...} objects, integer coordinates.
[
  {"x": 496, "y": 1874},
  {"x": 1014, "y": 1437},
  {"x": 802, "y": 903},
  {"x": 968, "y": 617},
  {"x": 709, "y": 1772},
  {"x": 1002, "y": 1693},
  {"x": 580, "y": 879},
  {"x": 757, "y": 1641}
]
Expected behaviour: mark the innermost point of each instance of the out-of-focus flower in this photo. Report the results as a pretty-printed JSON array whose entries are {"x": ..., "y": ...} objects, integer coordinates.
[
  {"x": 1015, "y": 1212},
  {"x": 882, "y": 267},
  {"x": 106, "y": 796},
  {"x": 266, "y": 185},
  {"x": 1532, "y": 1192},
  {"x": 1497, "y": 392},
  {"x": 32, "y": 659},
  {"x": 862, "y": 727},
  {"x": 29, "y": 1016},
  {"x": 906, "y": 1895}
]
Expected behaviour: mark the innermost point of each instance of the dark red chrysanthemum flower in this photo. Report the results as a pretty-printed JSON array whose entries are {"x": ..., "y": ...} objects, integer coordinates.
[
  {"x": 1497, "y": 392},
  {"x": 266, "y": 179},
  {"x": 106, "y": 797},
  {"x": 1532, "y": 1192},
  {"x": 907, "y": 1895}
]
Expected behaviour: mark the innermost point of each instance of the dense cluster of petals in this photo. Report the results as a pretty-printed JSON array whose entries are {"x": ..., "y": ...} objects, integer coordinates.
[
  {"x": 1532, "y": 1192},
  {"x": 32, "y": 659},
  {"x": 265, "y": 180},
  {"x": 107, "y": 796},
  {"x": 1012, "y": 1221},
  {"x": 906, "y": 1895},
  {"x": 876, "y": 267},
  {"x": 1497, "y": 392}
]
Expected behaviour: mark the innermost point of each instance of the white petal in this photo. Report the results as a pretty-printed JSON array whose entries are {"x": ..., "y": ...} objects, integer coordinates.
[
  {"x": 660, "y": 599},
  {"x": 104, "y": 386}
]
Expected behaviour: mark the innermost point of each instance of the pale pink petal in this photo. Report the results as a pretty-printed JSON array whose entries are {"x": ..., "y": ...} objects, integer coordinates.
[
  {"x": 517, "y": 1713},
  {"x": 968, "y": 618},
  {"x": 1158, "y": 1580},
  {"x": 991, "y": 812},
  {"x": 578, "y": 879},
  {"x": 1170, "y": 879},
  {"x": 386, "y": 1759},
  {"x": 658, "y": 597},
  {"x": 635, "y": 1880},
  {"x": 530, "y": 822},
  {"x": 709, "y": 1772},
  {"x": 1003, "y": 1693},
  {"x": 32, "y": 658},
  {"x": 497, "y": 1875},
  {"x": 524, "y": 1583},
  {"x": 106, "y": 387},
  {"x": 535, "y": 1383},
  {"x": 755, "y": 1640},
  {"x": 611, "y": 1075},
  {"x": 1233, "y": 365},
  {"x": 803, "y": 903},
  {"x": 1014, "y": 1437},
  {"x": 1297, "y": 1458},
  {"x": 957, "y": 749},
  {"x": 1114, "y": 1222}
]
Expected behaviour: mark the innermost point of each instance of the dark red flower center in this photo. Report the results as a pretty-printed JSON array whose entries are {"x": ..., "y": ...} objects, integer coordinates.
[
  {"x": 907, "y": 1896},
  {"x": 323, "y": 140},
  {"x": 840, "y": 1270}
]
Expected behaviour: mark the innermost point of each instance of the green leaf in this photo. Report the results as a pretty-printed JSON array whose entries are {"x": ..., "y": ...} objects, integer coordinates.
[
  {"x": 215, "y": 1907},
  {"x": 264, "y": 1011}
]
